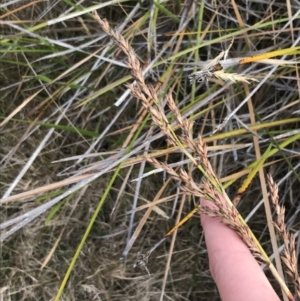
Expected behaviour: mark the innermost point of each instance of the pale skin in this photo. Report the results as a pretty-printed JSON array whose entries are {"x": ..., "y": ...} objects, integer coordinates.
[{"x": 236, "y": 273}]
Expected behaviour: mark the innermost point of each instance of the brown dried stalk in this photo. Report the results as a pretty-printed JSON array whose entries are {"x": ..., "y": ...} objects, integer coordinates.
[
  {"x": 139, "y": 90},
  {"x": 199, "y": 147},
  {"x": 145, "y": 92},
  {"x": 190, "y": 186},
  {"x": 289, "y": 254}
]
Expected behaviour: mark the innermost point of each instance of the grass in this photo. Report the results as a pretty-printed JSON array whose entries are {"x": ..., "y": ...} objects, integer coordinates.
[{"x": 94, "y": 168}]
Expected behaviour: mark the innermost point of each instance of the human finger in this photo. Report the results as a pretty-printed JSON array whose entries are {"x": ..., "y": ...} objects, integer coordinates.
[{"x": 236, "y": 273}]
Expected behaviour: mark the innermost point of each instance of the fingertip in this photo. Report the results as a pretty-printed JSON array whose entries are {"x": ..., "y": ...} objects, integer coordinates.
[{"x": 235, "y": 271}]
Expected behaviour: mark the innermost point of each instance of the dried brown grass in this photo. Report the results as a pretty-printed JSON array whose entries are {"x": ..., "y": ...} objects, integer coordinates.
[{"x": 98, "y": 274}]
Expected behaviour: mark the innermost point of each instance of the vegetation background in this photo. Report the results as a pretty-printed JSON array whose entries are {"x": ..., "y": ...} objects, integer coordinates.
[{"x": 73, "y": 141}]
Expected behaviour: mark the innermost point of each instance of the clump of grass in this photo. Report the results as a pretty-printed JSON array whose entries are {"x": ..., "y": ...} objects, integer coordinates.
[{"x": 73, "y": 138}]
